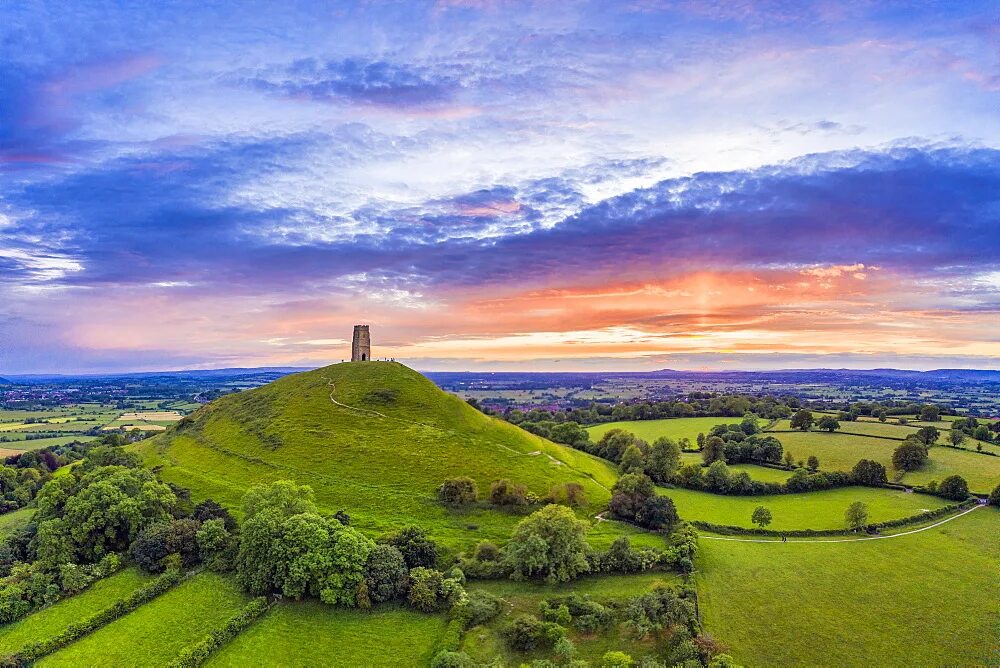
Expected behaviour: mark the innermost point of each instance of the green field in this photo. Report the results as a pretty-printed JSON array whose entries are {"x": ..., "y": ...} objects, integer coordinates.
[
  {"x": 312, "y": 634},
  {"x": 383, "y": 463},
  {"x": 153, "y": 634},
  {"x": 650, "y": 430},
  {"x": 927, "y": 599},
  {"x": 762, "y": 473},
  {"x": 483, "y": 643},
  {"x": 810, "y": 510},
  {"x": 50, "y": 621},
  {"x": 14, "y": 520},
  {"x": 840, "y": 452}
]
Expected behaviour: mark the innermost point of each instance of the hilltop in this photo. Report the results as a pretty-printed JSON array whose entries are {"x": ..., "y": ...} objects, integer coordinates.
[{"x": 373, "y": 438}]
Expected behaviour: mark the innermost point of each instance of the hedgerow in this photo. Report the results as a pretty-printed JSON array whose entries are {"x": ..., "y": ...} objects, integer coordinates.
[{"x": 196, "y": 654}]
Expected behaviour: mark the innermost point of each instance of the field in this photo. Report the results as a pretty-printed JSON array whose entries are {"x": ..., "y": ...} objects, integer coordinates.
[
  {"x": 810, "y": 510},
  {"x": 925, "y": 599},
  {"x": 380, "y": 452},
  {"x": 840, "y": 452},
  {"x": 483, "y": 643},
  {"x": 153, "y": 634},
  {"x": 52, "y": 620},
  {"x": 14, "y": 520},
  {"x": 762, "y": 473},
  {"x": 650, "y": 430},
  {"x": 312, "y": 634}
]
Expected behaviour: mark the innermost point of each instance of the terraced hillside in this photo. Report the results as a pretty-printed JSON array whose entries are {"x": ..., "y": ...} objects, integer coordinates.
[{"x": 373, "y": 438}]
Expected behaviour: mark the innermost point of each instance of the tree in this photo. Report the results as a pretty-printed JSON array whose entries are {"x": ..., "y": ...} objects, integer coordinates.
[
  {"x": 417, "y": 549},
  {"x": 216, "y": 546},
  {"x": 162, "y": 539},
  {"x": 994, "y": 499},
  {"x": 982, "y": 433},
  {"x": 717, "y": 477},
  {"x": 910, "y": 455},
  {"x": 714, "y": 449},
  {"x": 928, "y": 435},
  {"x": 749, "y": 424},
  {"x": 956, "y": 436},
  {"x": 385, "y": 573},
  {"x": 828, "y": 423},
  {"x": 761, "y": 516},
  {"x": 802, "y": 419},
  {"x": 657, "y": 513},
  {"x": 954, "y": 487},
  {"x": 550, "y": 543},
  {"x": 813, "y": 462},
  {"x": 930, "y": 414},
  {"x": 210, "y": 510},
  {"x": 633, "y": 460},
  {"x": 789, "y": 458},
  {"x": 458, "y": 491},
  {"x": 870, "y": 473},
  {"x": 283, "y": 496},
  {"x": 856, "y": 515},
  {"x": 663, "y": 459},
  {"x": 882, "y": 415},
  {"x": 629, "y": 494}
]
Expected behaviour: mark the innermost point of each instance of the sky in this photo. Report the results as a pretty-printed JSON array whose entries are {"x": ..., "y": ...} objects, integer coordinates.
[{"x": 490, "y": 184}]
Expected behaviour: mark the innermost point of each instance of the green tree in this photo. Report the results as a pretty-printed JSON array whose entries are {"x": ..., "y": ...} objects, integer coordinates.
[
  {"x": 813, "y": 462},
  {"x": 954, "y": 487},
  {"x": 789, "y": 458},
  {"x": 956, "y": 436},
  {"x": 713, "y": 450},
  {"x": 828, "y": 423},
  {"x": 930, "y": 414},
  {"x": 856, "y": 515},
  {"x": 458, "y": 491},
  {"x": 883, "y": 415},
  {"x": 216, "y": 545},
  {"x": 870, "y": 473},
  {"x": 928, "y": 435},
  {"x": 909, "y": 455},
  {"x": 629, "y": 494},
  {"x": 632, "y": 460},
  {"x": 717, "y": 477},
  {"x": 162, "y": 539},
  {"x": 761, "y": 516},
  {"x": 994, "y": 499},
  {"x": 417, "y": 549},
  {"x": 550, "y": 543},
  {"x": 284, "y": 497},
  {"x": 385, "y": 573},
  {"x": 663, "y": 459},
  {"x": 803, "y": 420}
]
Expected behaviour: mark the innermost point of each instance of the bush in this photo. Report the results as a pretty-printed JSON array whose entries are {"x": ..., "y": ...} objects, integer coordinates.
[
  {"x": 910, "y": 455},
  {"x": 616, "y": 659},
  {"x": 159, "y": 540},
  {"x": 385, "y": 574},
  {"x": 526, "y": 633},
  {"x": 197, "y": 654},
  {"x": 216, "y": 545},
  {"x": 487, "y": 551},
  {"x": 458, "y": 491},
  {"x": 447, "y": 659},
  {"x": 417, "y": 549},
  {"x": 430, "y": 590},
  {"x": 870, "y": 473},
  {"x": 504, "y": 493},
  {"x": 550, "y": 543},
  {"x": 568, "y": 494},
  {"x": 994, "y": 499},
  {"x": 954, "y": 487}
]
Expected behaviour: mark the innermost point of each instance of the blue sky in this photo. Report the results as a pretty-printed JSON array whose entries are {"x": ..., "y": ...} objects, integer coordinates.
[{"x": 522, "y": 185}]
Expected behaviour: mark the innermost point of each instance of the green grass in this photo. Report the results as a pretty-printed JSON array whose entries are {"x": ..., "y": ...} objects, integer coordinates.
[
  {"x": 52, "y": 620},
  {"x": 762, "y": 473},
  {"x": 483, "y": 643},
  {"x": 153, "y": 634},
  {"x": 811, "y": 510},
  {"x": 309, "y": 633},
  {"x": 675, "y": 428},
  {"x": 383, "y": 470},
  {"x": 24, "y": 445},
  {"x": 840, "y": 452},
  {"x": 14, "y": 520},
  {"x": 926, "y": 599}
]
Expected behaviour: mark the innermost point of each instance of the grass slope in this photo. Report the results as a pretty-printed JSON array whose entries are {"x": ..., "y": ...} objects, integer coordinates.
[
  {"x": 312, "y": 634},
  {"x": 153, "y": 634},
  {"x": 810, "y": 510},
  {"x": 14, "y": 520},
  {"x": 52, "y": 620},
  {"x": 382, "y": 462},
  {"x": 925, "y": 599}
]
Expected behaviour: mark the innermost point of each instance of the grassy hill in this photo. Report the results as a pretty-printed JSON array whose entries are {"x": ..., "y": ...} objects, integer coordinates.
[{"x": 373, "y": 438}]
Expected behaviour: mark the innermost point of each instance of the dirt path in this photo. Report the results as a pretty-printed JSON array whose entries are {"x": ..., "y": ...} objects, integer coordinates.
[{"x": 840, "y": 540}]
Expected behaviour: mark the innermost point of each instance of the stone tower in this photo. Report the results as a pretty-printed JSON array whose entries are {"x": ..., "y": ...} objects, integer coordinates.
[{"x": 361, "y": 347}]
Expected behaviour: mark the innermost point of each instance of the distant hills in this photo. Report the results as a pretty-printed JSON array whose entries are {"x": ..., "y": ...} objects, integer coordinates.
[{"x": 373, "y": 438}]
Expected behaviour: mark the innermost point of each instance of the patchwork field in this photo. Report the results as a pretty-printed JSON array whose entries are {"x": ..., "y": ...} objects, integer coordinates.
[
  {"x": 52, "y": 620},
  {"x": 309, "y": 633},
  {"x": 153, "y": 634},
  {"x": 810, "y": 510},
  {"x": 924, "y": 599},
  {"x": 650, "y": 430}
]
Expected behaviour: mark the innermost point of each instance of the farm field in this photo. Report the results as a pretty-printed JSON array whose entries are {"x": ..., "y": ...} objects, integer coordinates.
[
  {"x": 153, "y": 634},
  {"x": 840, "y": 452},
  {"x": 320, "y": 635},
  {"x": 650, "y": 430},
  {"x": 52, "y": 620},
  {"x": 809, "y": 510},
  {"x": 386, "y": 414},
  {"x": 762, "y": 473},
  {"x": 799, "y": 603}
]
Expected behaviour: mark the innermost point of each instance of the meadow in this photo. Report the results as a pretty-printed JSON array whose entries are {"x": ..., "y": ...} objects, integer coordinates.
[
  {"x": 14, "y": 520},
  {"x": 153, "y": 634},
  {"x": 928, "y": 598},
  {"x": 320, "y": 635},
  {"x": 52, "y": 620},
  {"x": 674, "y": 428}
]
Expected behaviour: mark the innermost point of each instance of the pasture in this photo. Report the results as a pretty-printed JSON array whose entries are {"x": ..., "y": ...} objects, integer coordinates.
[
  {"x": 809, "y": 510},
  {"x": 14, "y": 520},
  {"x": 52, "y": 620},
  {"x": 153, "y": 634},
  {"x": 309, "y": 633},
  {"x": 928, "y": 598},
  {"x": 674, "y": 428}
]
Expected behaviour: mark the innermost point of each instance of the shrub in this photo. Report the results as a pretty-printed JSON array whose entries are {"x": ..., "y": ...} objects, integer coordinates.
[
  {"x": 550, "y": 543},
  {"x": 616, "y": 659},
  {"x": 505, "y": 493},
  {"x": 954, "y": 487},
  {"x": 629, "y": 494},
  {"x": 569, "y": 494},
  {"x": 994, "y": 499},
  {"x": 385, "y": 574},
  {"x": 216, "y": 546},
  {"x": 910, "y": 455},
  {"x": 417, "y": 549},
  {"x": 197, "y": 654},
  {"x": 430, "y": 590},
  {"x": 526, "y": 633},
  {"x": 458, "y": 491},
  {"x": 870, "y": 473},
  {"x": 448, "y": 659},
  {"x": 487, "y": 551}
]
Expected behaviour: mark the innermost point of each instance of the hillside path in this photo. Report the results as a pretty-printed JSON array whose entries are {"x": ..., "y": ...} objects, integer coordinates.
[{"x": 840, "y": 540}]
